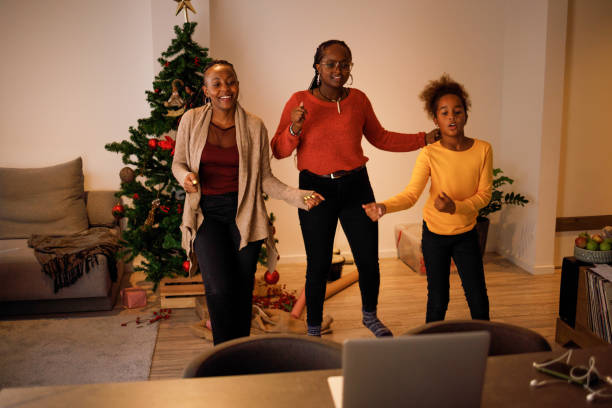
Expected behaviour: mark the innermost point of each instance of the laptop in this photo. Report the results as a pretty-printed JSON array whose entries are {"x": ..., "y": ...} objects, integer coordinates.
[{"x": 428, "y": 370}]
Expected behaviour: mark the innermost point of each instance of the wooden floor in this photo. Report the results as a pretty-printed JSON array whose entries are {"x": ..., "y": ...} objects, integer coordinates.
[{"x": 516, "y": 297}]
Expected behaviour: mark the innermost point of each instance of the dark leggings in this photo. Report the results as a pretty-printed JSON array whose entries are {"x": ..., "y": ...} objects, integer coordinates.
[
  {"x": 464, "y": 249},
  {"x": 343, "y": 199},
  {"x": 227, "y": 273}
]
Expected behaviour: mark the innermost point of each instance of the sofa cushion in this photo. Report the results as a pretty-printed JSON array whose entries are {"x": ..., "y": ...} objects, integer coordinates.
[
  {"x": 46, "y": 200},
  {"x": 99, "y": 208}
]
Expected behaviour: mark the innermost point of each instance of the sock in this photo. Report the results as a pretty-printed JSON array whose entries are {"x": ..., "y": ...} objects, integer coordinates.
[
  {"x": 375, "y": 325},
  {"x": 314, "y": 331}
]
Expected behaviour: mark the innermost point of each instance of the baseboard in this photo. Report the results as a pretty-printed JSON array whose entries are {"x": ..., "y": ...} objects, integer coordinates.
[{"x": 534, "y": 270}]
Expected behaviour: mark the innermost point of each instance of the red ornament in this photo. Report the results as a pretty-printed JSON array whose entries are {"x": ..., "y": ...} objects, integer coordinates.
[
  {"x": 152, "y": 144},
  {"x": 271, "y": 277},
  {"x": 186, "y": 266},
  {"x": 135, "y": 196},
  {"x": 179, "y": 208},
  {"x": 196, "y": 61},
  {"x": 118, "y": 210},
  {"x": 167, "y": 144},
  {"x": 167, "y": 64},
  {"x": 156, "y": 90}
]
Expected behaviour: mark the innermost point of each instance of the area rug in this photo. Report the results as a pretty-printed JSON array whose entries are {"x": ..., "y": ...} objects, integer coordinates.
[{"x": 75, "y": 351}]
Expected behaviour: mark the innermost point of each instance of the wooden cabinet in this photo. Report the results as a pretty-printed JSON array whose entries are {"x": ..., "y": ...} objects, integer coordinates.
[{"x": 572, "y": 324}]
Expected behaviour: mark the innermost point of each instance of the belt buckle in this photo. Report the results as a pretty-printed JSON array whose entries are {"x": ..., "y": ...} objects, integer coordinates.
[{"x": 331, "y": 175}]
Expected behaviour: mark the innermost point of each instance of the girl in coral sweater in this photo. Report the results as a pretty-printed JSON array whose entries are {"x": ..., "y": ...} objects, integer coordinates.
[
  {"x": 326, "y": 124},
  {"x": 460, "y": 169}
]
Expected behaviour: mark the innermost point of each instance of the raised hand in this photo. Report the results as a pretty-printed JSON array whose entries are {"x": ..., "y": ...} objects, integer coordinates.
[
  {"x": 444, "y": 203},
  {"x": 374, "y": 210},
  {"x": 298, "y": 116},
  {"x": 191, "y": 183},
  {"x": 313, "y": 200}
]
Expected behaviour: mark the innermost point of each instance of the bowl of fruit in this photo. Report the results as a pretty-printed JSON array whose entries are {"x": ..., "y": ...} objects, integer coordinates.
[{"x": 596, "y": 248}]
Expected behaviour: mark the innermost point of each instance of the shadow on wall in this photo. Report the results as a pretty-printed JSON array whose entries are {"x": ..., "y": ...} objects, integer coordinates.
[{"x": 512, "y": 236}]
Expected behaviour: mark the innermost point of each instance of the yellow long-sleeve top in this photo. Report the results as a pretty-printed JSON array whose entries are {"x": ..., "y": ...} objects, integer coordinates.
[{"x": 465, "y": 176}]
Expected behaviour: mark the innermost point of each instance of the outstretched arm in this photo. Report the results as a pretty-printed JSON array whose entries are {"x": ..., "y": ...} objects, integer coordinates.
[
  {"x": 304, "y": 199},
  {"x": 386, "y": 140},
  {"x": 406, "y": 198},
  {"x": 412, "y": 192}
]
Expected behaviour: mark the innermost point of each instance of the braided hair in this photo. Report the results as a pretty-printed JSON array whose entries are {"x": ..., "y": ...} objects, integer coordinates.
[
  {"x": 319, "y": 55},
  {"x": 217, "y": 62}
]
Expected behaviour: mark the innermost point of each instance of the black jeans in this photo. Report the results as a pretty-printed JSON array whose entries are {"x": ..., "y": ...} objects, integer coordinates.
[
  {"x": 228, "y": 274},
  {"x": 465, "y": 251},
  {"x": 343, "y": 199}
]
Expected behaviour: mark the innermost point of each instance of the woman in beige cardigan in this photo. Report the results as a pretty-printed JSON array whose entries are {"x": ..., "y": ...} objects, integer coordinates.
[{"x": 222, "y": 160}]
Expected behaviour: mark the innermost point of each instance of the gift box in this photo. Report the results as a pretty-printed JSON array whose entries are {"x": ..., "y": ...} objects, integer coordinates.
[
  {"x": 408, "y": 243},
  {"x": 133, "y": 297}
]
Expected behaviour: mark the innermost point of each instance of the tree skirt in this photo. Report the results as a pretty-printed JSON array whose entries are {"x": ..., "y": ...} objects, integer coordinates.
[{"x": 76, "y": 350}]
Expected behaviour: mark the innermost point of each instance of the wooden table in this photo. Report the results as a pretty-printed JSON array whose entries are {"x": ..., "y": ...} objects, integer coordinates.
[{"x": 506, "y": 385}]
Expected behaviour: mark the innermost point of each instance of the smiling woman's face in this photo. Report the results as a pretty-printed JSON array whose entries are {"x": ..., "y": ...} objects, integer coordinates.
[
  {"x": 221, "y": 86},
  {"x": 335, "y": 66}
]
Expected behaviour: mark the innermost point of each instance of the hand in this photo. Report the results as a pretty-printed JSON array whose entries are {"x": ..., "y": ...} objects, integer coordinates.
[
  {"x": 313, "y": 200},
  {"x": 298, "y": 116},
  {"x": 433, "y": 136},
  {"x": 445, "y": 204},
  {"x": 191, "y": 183},
  {"x": 374, "y": 210}
]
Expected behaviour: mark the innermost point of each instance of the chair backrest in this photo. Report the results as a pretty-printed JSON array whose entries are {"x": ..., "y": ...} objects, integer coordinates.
[
  {"x": 266, "y": 354},
  {"x": 505, "y": 338}
]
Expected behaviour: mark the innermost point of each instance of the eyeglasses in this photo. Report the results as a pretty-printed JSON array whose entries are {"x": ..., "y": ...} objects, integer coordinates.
[{"x": 344, "y": 66}]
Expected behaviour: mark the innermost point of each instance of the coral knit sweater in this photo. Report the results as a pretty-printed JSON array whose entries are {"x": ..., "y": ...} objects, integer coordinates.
[
  {"x": 465, "y": 176},
  {"x": 329, "y": 141}
]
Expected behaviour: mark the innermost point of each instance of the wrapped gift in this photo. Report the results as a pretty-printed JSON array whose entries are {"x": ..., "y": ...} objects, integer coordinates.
[
  {"x": 408, "y": 244},
  {"x": 133, "y": 297}
]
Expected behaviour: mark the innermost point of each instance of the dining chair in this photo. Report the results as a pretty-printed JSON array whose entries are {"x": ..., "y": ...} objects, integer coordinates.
[
  {"x": 505, "y": 338},
  {"x": 266, "y": 354}
]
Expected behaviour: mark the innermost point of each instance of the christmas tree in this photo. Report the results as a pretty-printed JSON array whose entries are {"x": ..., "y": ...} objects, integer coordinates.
[{"x": 153, "y": 198}]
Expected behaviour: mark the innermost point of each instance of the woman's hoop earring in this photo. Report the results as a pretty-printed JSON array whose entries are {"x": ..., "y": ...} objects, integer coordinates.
[
  {"x": 206, "y": 100},
  {"x": 318, "y": 79},
  {"x": 351, "y": 76}
]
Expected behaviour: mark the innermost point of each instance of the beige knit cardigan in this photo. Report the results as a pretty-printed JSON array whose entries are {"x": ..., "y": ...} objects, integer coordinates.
[{"x": 254, "y": 178}]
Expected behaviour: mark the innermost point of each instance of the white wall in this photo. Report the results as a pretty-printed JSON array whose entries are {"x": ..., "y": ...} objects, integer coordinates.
[
  {"x": 534, "y": 44},
  {"x": 73, "y": 78},
  {"x": 75, "y": 73},
  {"x": 584, "y": 179},
  {"x": 396, "y": 49}
]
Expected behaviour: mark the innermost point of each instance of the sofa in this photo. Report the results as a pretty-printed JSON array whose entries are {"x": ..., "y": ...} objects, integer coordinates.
[{"x": 52, "y": 201}]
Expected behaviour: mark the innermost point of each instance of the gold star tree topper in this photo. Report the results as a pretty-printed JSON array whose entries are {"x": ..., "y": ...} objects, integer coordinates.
[{"x": 184, "y": 5}]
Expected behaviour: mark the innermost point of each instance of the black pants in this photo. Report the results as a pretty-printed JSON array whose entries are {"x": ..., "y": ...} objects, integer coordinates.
[
  {"x": 228, "y": 274},
  {"x": 465, "y": 251},
  {"x": 343, "y": 199}
]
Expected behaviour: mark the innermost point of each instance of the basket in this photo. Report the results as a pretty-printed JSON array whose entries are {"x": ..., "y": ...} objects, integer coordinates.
[
  {"x": 598, "y": 257},
  {"x": 335, "y": 271}
]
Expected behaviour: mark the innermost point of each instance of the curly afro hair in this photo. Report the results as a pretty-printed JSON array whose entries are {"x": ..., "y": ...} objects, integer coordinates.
[{"x": 437, "y": 88}]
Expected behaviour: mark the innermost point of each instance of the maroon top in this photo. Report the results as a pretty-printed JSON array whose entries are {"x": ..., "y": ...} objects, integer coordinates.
[{"x": 219, "y": 165}]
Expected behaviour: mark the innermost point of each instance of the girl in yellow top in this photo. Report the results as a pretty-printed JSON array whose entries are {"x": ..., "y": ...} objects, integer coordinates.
[{"x": 461, "y": 179}]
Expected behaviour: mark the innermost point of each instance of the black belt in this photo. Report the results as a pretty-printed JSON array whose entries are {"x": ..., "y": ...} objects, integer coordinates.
[{"x": 339, "y": 173}]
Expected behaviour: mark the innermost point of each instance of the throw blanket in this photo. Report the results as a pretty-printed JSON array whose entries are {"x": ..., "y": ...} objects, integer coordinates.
[{"x": 64, "y": 258}]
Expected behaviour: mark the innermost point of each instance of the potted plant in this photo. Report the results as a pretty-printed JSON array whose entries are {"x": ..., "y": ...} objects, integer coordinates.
[{"x": 498, "y": 199}]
